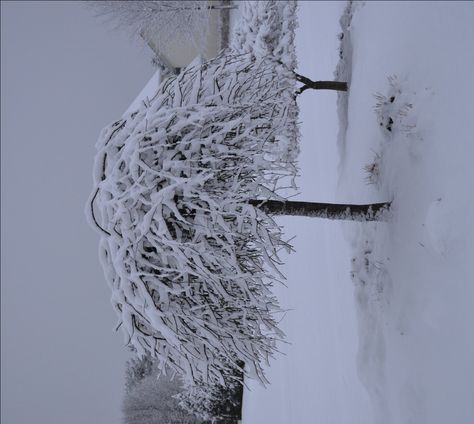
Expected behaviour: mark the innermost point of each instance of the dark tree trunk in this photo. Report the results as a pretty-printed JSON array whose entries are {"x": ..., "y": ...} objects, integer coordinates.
[
  {"x": 319, "y": 85},
  {"x": 368, "y": 212},
  {"x": 211, "y": 7}
]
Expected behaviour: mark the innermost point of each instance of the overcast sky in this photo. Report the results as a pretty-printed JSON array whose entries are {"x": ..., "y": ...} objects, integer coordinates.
[{"x": 64, "y": 76}]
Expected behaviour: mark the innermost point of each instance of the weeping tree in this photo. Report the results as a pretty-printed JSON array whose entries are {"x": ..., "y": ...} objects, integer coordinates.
[{"x": 190, "y": 261}]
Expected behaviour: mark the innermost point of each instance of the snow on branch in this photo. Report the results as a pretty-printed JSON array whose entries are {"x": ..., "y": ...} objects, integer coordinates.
[
  {"x": 189, "y": 260},
  {"x": 237, "y": 78}
]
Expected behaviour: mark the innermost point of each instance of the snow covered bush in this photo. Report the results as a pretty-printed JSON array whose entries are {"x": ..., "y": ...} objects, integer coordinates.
[
  {"x": 372, "y": 170},
  {"x": 392, "y": 109}
]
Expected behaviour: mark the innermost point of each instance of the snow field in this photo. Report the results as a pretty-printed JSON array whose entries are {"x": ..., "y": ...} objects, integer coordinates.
[
  {"x": 408, "y": 321},
  {"x": 414, "y": 276}
]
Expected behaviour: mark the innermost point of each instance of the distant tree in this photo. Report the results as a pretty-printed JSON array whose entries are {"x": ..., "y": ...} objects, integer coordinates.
[
  {"x": 183, "y": 22},
  {"x": 150, "y": 399},
  {"x": 137, "y": 369}
]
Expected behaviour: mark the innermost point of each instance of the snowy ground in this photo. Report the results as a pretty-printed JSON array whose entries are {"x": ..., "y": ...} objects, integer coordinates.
[
  {"x": 403, "y": 326},
  {"x": 414, "y": 277},
  {"x": 316, "y": 380}
]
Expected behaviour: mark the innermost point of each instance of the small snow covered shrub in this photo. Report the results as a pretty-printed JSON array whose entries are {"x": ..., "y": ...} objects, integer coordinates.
[
  {"x": 372, "y": 170},
  {"x": 392, "y": 109}
]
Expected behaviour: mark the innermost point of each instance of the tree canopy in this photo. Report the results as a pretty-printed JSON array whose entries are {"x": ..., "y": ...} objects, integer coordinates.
[{"x": 189, "y": 259}]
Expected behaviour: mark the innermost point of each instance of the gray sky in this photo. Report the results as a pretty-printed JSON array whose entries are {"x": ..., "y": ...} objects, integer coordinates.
[{"x": 63, "y": 77}]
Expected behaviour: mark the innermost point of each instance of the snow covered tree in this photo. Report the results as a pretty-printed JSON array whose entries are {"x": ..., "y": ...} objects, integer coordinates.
[
  {"x": 176, "y": 21},
  {"x": 190, "y": 261}
]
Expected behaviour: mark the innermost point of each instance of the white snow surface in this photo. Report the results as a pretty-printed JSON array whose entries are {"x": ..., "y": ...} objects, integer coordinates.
[
  {"x": 396, "y": 344},
  {"x": 414, "y": 276}
]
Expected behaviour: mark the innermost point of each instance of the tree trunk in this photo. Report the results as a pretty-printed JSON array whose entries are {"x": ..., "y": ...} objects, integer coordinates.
[
  {"x": 368, "y": 212},
  {"x": 320, "y": 85},
  {"x": 210, "y": 7},
  {"x": 223, "y": 6}
]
